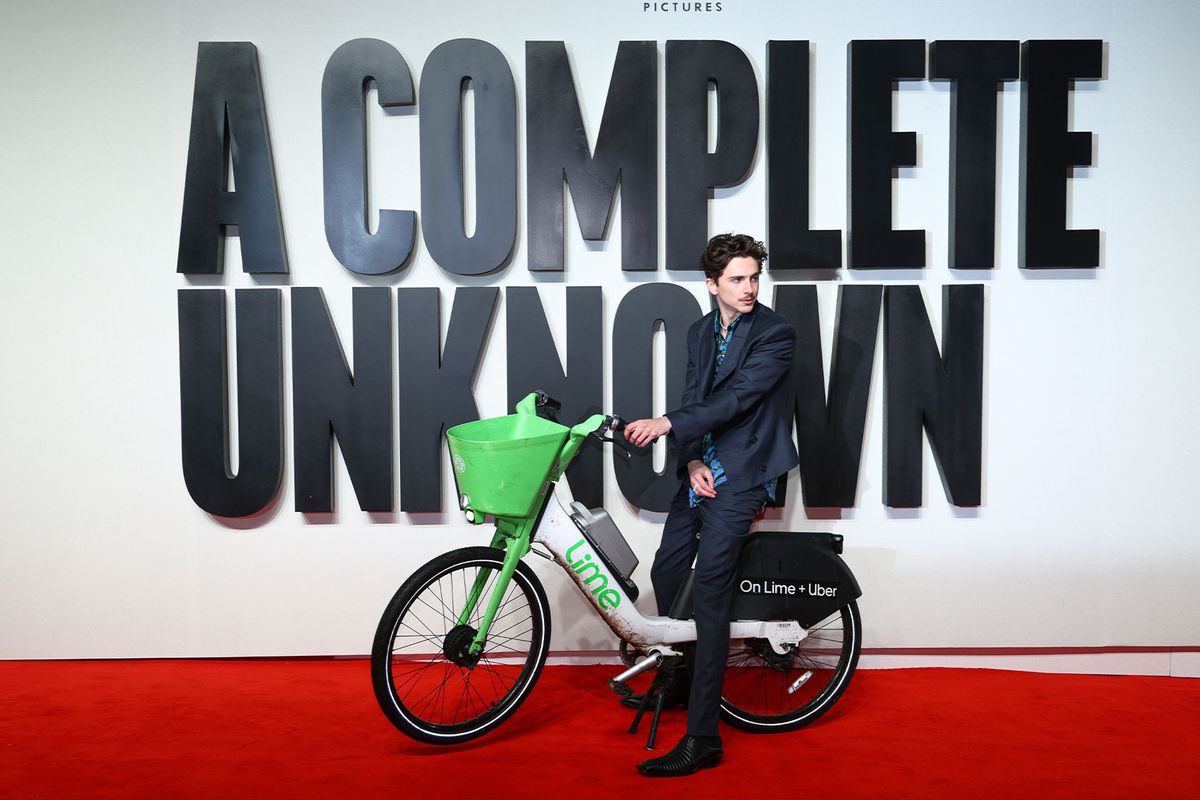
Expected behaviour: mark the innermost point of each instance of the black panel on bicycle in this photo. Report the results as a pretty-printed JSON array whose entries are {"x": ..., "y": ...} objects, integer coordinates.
[
  {"x": 791, "y": 575},
  {"x": 786, "y": 575},
  {"x": 606, "y": 539}
]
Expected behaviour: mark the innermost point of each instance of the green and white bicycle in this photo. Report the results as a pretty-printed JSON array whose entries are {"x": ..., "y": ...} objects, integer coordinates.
[{"x": 463, "y": 641}]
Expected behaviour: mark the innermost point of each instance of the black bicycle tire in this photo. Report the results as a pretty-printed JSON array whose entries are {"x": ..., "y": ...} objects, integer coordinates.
[
  {"x": 808, "y": 713},
  {"x": 406, "y": 719}
]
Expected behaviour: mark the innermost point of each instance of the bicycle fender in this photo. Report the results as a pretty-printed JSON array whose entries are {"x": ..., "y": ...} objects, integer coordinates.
[{"x": 792, "y": 575}]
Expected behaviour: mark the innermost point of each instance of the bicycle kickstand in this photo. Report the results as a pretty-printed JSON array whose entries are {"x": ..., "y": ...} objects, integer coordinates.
[
  {"x": 656, "y": 694},
  {"x": 659, "y": 695}
]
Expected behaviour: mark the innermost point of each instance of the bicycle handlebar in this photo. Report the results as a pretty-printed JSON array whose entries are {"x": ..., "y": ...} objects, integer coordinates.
[{"x": 547, "y": 407}]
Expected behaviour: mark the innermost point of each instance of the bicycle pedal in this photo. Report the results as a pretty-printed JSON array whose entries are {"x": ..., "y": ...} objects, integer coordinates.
[{"x": 619, "y": 688}]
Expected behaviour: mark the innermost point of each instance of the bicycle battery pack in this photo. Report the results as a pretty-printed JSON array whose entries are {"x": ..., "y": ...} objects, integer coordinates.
[
  {"x": 792, "y": 575},
  {"x": 606, "y": 539}
]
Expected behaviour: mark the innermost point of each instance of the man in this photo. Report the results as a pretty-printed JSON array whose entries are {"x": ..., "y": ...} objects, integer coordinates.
[{"x": 734, "y": 440}]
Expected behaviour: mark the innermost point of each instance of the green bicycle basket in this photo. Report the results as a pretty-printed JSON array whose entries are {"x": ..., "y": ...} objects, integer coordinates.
[{"x": 501, "y": 463}]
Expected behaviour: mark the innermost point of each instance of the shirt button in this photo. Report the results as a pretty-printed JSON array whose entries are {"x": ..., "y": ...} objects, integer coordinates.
[
  {"x": 763, "y": 468},
  {"x": 753, "y": 439}
]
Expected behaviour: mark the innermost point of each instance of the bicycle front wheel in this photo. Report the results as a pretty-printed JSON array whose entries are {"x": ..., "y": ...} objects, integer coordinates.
[
  {"x": 426, "y": 681},
  {"x": 768, "y": 692}
]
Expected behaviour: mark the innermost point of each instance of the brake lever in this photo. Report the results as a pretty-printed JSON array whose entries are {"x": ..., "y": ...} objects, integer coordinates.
[{"x": 613, "y": 442}]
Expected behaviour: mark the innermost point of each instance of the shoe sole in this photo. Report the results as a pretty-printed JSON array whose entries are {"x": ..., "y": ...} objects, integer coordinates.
[{"x": 707, "y": 762}]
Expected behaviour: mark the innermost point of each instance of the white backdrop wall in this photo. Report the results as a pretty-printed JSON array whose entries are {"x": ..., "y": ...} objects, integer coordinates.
[{"x": 1086, "y": 536}]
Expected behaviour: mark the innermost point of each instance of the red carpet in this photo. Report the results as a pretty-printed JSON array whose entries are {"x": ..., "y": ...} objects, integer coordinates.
[{"x": 275, "y": 728}]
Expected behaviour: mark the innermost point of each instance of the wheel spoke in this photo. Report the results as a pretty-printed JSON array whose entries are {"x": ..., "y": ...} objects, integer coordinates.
[
  {"x": 489, "y": 670},
  {"x": 430, "y": 683},
  {"x": 757, "y": 679},
  {"x": 434, "y": 695}
]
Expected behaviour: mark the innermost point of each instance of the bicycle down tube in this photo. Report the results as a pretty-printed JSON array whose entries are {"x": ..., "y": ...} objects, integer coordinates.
[{"x": 571, "y": 550}]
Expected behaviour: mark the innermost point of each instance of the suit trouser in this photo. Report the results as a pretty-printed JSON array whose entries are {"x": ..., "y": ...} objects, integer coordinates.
[{"x": 712, "y": 534}]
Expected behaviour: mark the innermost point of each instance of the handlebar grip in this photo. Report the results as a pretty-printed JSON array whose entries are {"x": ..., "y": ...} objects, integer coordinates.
[
  {"x": 546, "y": 401},
  {"x": 617, "y": 423}
]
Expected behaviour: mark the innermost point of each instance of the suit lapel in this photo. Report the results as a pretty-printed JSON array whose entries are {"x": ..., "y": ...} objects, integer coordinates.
[
  {"x": 708, "y": 350},
  {"x": 737, "y": 347}
]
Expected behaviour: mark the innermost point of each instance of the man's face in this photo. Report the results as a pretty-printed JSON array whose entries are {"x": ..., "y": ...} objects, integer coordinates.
[{"x": 737, "y": 288}]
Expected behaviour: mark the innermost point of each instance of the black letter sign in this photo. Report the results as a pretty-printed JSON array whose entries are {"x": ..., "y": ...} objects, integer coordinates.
[
  {"x": 435, "y": 383},
  {"x": 874, "y": 149},
  {"x": 203, "y": 391},
  {"x": 633, "y": 385},
  {"x": 974, "y": 70},
  {"x": 829, "y": 433},
  {"x": 693, "y": 172},
  {"x": 1049, "y": 150},
  {"x": 229, "y": 121},
  {"x": 344, "y": 145},
  {"x": 447, "y": 70},
  {"x": 534, "y": 363},
  {"x": 329, "y": 400},
  {"x": 626, "y": 154},
  {"x": 793, "y": 244},
  {"x": 941, "y": 393}
]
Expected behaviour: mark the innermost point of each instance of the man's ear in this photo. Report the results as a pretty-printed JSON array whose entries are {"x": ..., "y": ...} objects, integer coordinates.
[{"x": 712, "y": 286}]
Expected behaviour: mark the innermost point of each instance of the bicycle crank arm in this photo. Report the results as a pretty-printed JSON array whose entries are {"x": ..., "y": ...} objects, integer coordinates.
[{"x": 655, "y": 658}]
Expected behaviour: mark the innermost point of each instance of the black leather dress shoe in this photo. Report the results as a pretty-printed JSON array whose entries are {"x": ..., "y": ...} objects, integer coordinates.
[{"x": 691, "y": 754}]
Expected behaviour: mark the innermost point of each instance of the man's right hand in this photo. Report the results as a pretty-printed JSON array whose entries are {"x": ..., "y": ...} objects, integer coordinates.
[{"x": 701, "y": 478}]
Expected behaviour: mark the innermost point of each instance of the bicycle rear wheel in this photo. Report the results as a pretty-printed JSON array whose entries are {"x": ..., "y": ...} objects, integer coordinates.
[
  {"x": 765, "y": 692},
  {"x": 427, "y": 683}
]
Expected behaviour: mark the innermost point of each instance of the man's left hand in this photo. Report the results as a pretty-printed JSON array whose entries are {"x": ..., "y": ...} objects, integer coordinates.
[{"x": 642, "y": 432}]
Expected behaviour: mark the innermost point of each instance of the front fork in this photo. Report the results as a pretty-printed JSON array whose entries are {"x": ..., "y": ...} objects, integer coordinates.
[{"x": 514, "y": 538}]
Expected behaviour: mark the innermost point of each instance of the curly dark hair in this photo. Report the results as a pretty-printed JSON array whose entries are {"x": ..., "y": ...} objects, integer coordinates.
[{"x": 724, "y": 247}]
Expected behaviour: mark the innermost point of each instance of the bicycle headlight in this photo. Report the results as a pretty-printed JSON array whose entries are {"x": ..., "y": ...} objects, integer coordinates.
[
  {"x": 470, "y": 515},
  {"x": 463, "y": 502}
]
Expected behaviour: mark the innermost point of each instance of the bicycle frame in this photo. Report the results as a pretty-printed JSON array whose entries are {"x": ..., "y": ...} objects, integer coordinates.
[
  {"x": 556, "y": 531},
  {"x": 463, "y": 640},
  {"x": 571, "y": 550}
]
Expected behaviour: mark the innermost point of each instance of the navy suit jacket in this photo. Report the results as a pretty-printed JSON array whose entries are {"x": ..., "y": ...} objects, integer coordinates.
[{"x": 744, "y": 405}]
